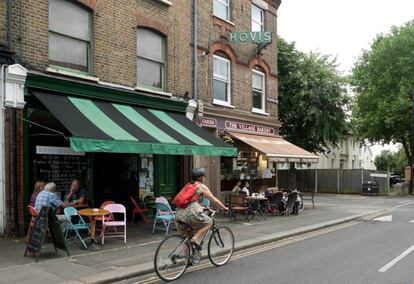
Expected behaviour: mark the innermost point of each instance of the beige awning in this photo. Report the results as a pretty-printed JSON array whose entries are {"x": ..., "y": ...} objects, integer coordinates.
[{"x": 276, "y": 148}]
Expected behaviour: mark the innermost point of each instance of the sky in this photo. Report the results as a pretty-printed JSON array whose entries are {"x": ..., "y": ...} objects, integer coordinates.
[{"x": 341, "y": 28}]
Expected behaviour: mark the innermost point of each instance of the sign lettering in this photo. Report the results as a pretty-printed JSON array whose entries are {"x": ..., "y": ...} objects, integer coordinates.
[
  {"x": 208, "y": 122},
  {"x": 231, "y": 125},
  {"x": 250, "y": 37}
]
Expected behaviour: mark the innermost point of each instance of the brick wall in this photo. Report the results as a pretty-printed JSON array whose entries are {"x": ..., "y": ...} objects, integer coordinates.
[
  {"x": 213, "y": 33},
  {"x": 3, "y": 23},
  {"x": 114, "y": 38}
]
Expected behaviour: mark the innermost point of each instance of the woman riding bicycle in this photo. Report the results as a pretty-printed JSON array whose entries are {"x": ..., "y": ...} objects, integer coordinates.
[{"x": 190, "y": 212}]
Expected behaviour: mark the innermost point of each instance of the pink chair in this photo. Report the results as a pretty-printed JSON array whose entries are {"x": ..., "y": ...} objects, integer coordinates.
[{"x": 116, "y": 210}]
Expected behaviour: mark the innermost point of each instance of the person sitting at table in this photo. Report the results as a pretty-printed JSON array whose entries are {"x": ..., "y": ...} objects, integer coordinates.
[
  {"x": 38, "y": 187},
  {"x": 246, "y": 188},
  {"x": 237, "y": 187},
  {"x": 77, "y": 195},
  {"x": 48, "y": 198}
]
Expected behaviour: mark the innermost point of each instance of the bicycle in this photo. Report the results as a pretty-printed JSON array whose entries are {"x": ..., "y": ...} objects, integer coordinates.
[{"x": 175, "y": 253}]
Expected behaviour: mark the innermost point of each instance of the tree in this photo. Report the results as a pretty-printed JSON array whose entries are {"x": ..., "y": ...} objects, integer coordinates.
[
  {"x": 395, "y": 162},
  {"x": 312, "y": 98},
  {"x": 383, "y": 80}
]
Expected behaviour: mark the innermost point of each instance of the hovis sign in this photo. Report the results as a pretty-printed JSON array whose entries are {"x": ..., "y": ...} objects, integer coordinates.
[{"x": 250, "y": 37}]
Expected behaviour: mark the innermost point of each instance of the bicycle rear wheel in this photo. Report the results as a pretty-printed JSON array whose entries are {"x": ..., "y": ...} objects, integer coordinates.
[
  {"x": 172, "y": 258},
  {"x": 220, "y": 246}
]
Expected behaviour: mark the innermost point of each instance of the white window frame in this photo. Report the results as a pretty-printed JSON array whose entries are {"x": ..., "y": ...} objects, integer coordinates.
[
  {"x": 223, "y": 79},
  {"x": 225, "y": 3},
  {"x": 67, "y": 69},
  {"x": 163, "y": 65},
  {"x": 263, "y": 92},
  {"x": 253, "y": 21}
]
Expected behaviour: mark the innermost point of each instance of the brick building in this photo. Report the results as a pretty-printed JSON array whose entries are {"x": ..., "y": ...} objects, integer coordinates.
[{"x": 106, "y": 98}]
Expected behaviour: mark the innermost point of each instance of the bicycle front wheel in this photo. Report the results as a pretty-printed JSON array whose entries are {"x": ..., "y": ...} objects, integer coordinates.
[
  {"x": 172, "y": 258},
  {"x": 220, "y": 246}
]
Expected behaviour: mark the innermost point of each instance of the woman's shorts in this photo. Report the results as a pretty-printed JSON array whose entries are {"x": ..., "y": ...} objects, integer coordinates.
[{"x": 194, "y": 216}]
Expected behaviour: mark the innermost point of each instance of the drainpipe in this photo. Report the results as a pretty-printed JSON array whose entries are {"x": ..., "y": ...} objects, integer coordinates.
[
  {"x": 2, "y": 164},
  {"x": 195, "y": 59}
]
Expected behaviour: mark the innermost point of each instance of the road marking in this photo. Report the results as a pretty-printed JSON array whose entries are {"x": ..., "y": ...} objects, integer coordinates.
[
  {"x": 412, "y": 221},
  {"x": 397, "y": 259},
  {"x": 403, "y": 203},
  {"x": 387, "y": 218}
]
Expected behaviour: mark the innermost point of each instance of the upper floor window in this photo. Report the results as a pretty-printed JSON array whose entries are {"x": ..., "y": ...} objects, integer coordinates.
[
  {"x": 69, "y": 35},
  {"x": 151, "y": 59},
  {"x": 258, "y": 90},
  {"x": 257, "y": 19},
  {"x": 221, "y": 9},
  {"x": 221, "y": 80}
]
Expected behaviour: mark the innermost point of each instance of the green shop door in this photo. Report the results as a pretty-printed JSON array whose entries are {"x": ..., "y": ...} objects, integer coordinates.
[{"x": 167, "y": 175}]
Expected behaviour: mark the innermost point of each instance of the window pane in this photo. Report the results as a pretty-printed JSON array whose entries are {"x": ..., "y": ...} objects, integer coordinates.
[
  {"x": 149, "y": 73},
  {"x": 257, "y": 14},
  {"x": 220, "y": 67},
  {"x": 68, "y": 52},
  {"x": 150, "y": 45},
  {"x": 220, "y": 9},
  {"x": 257, "y": 100},
  {"x": 220, "y": 90},
  {"x": 257, "y": 81},
  {"x": 69, "y": 19},
  {"x": 256, "y": 27}
]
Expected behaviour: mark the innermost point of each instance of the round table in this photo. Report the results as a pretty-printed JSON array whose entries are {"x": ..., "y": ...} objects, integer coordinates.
[{"x": 92, "y": 214}]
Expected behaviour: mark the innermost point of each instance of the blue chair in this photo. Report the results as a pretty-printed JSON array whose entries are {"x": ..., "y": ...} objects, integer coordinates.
[
  {"x": 71, "y": 212},
  {"x": 164, "y": 215}
]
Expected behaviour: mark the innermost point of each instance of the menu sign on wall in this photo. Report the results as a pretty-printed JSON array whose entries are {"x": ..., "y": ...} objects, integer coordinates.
[
  {"x": 59, "y": 165},
  {"x": 247, "y": 127}
]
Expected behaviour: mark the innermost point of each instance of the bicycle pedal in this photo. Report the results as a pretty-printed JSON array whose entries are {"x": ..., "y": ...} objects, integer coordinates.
[{"x": 196, "y": 257}]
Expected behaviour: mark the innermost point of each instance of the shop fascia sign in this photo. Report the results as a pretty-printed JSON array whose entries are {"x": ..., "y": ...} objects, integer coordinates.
[
  {"x": 207, "y": 122},
  {"x": 253, "y": 128},
  {"x": 250, "y": 37}
]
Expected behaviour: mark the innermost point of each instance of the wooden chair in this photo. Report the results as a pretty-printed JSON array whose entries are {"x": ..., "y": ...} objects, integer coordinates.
[
  {"x": 138, "y": 210},
  {"x": 239, "y": 204},
  {"x": 33, "y": 213}
]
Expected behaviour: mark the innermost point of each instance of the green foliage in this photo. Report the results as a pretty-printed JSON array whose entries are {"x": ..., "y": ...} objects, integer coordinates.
[
  {"x": 383, "y": 78},
  {"x": 394, "y": 161},
  {"x": 312, "y": 98}
]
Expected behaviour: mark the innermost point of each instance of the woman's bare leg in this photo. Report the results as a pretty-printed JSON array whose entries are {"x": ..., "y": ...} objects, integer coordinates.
[{"x": 201, "y": 232}]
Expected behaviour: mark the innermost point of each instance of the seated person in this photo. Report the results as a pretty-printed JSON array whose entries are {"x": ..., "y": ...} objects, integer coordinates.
[
  {"x": 237, "y": 187},
  {"x": 246, "y": 188},
  {"x": 77, "y": 195},
  {"x": 38, "y": 187},
  {"x": 48, "y": 198}
]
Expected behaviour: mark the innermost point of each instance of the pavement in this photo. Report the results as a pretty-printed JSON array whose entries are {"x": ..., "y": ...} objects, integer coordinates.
[{"x": 117, "y": 261}]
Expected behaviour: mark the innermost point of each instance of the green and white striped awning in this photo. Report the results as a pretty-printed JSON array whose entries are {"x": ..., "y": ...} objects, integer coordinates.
[{"x": 102, "y": 126}]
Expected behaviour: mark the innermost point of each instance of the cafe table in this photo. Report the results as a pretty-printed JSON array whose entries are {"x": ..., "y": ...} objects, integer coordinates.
[
  {"x": 258, "y": 202},
  {"x": 92, "y": 213}
]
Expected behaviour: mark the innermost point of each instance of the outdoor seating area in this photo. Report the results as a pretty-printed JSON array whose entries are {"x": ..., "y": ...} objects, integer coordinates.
[{"x": 260, "y": 205}]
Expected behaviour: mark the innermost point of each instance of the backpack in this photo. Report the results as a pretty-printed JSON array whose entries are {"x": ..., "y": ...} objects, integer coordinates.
[{"x": 186, "y": 195}]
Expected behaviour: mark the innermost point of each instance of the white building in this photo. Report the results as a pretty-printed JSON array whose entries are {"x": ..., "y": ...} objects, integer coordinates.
[{"x": 350, "y": 154}]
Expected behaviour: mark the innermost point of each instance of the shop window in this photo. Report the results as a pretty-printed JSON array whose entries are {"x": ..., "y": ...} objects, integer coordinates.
[
  {"x": 69, "y": 35},
  {"x": 221, "y": 80},
  {"x": 257, "y": 19},
  {"x": 258, "y": 91},
  {"x": 151, "y": 59},
  {"x": 221, "y": 9}
]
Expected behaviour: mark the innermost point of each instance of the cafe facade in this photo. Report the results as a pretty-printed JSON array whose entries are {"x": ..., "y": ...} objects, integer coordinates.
[{"x": 238, "y": 94}]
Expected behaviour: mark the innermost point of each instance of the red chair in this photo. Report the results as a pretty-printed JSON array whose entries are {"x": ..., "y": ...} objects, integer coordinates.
[
  {"x": 33, "y": 213},
  {"x": 106, "y": 218},
  {"x": 138, "y": 210}
]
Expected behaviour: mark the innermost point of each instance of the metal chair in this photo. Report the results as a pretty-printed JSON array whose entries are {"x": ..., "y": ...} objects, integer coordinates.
[
  {"x": 275, "y": 203},
  {"x": 71, "y": 214},
  {"x": 164, "y": 215},
  {"x": 115, "y": 209},
  {"x": 138, "y": 210}
]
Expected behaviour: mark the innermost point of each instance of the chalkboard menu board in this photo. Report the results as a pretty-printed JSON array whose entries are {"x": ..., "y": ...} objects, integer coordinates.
[
  {"x": 45, "y": 219},
  {"x": 58, "y": 164}
]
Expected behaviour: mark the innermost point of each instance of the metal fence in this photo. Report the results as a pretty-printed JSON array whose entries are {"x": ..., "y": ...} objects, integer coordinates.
[{"x": 331, "y": 180}]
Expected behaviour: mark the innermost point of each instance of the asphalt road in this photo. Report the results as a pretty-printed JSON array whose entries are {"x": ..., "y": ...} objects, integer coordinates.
[{"x": 361, "y": 253}]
